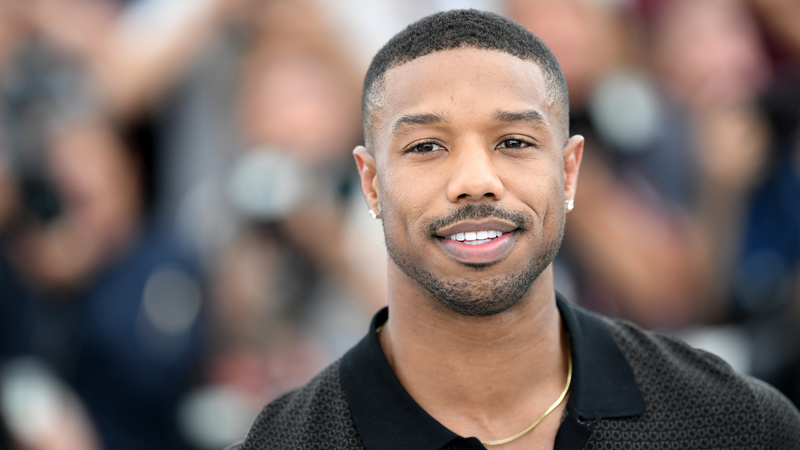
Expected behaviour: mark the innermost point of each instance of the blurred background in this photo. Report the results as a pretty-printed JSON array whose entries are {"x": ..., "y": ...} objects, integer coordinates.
[{"x": 183, "y": 237}]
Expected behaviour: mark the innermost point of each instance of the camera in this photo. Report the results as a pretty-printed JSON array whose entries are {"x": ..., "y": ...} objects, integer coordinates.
[{"x": 35, "y": 93}]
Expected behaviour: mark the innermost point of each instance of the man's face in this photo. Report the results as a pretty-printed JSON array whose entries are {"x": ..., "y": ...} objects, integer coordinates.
[{"x": 469, "y": 174}]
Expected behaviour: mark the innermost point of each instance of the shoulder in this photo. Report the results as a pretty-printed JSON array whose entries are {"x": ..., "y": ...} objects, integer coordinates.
[
  {"x": 780, "y": 418},
  {"x": 681, "y": 383},
  {"x": 656, "y": 355},
  {"x": 316, "y": 413}
]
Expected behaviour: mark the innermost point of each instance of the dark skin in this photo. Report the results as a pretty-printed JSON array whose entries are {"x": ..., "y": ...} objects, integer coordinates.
[{"x": 485, "y": 130}]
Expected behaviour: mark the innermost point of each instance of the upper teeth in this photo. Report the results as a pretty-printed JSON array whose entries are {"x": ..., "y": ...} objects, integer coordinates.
[{"x": 475, "y": 235}]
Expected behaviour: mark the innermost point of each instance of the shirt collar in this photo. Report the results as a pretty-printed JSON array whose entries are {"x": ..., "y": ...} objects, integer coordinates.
[{"x": 603, "y": 385}]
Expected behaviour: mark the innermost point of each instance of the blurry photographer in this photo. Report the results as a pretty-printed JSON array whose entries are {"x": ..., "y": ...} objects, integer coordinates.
[{"x": 98, "y": 302}]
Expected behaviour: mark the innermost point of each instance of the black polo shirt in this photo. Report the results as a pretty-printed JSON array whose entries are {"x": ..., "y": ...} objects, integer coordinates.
[{"x": 631, "y": 389}]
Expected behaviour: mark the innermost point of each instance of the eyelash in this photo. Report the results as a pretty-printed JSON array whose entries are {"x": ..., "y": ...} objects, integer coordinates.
[
  {"x": 527, "y": 142},
  {"x": 413, "y": 148},
  {"x": 523, "y": 141}
]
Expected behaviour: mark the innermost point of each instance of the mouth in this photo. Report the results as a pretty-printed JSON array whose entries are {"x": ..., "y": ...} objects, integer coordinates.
[
  {"x": 476, "y": 243},
  {"x": 476, "y": 237}
]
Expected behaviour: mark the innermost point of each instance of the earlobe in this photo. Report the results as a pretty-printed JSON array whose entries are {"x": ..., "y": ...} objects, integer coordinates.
[
  {"x": 573, "y": 154},
  {"x": 368, "y": 173}
]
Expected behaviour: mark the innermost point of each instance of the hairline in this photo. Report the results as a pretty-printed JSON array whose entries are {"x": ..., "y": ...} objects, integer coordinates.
[{"x": 553, "y": 93}]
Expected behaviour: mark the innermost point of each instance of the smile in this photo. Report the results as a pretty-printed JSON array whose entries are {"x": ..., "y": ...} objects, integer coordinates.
[
  {"x": 484, "y": 241},
  {"x": 476, "y": 237},
  {"x": 478, "y": 247}
]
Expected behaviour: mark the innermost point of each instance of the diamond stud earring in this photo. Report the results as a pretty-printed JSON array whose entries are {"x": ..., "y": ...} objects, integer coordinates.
[
  {"x": 374, "y": 213},
  {"x": 570, "y": 205}
]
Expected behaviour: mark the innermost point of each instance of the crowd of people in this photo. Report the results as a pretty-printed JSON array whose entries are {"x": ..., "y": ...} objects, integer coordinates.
[{"x": 183, "y": 237}]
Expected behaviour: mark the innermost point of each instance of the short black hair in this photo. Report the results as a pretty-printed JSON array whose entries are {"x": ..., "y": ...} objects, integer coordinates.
[{"x": 459, "y": 28}]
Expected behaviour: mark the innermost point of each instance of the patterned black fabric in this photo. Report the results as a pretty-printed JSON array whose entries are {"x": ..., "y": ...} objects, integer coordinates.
[
  {"x": 315, "y": 416},
  {"x": 694, "y": 401}
]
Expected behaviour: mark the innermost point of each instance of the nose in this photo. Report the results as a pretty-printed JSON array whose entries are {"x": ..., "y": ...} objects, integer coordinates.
[{"x": 474, "y": 176}]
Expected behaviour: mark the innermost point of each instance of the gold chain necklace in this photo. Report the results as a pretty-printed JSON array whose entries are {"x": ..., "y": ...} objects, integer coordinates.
[
  {"x": 549, "y": 410},
  {"x": 546, "y": 413}
]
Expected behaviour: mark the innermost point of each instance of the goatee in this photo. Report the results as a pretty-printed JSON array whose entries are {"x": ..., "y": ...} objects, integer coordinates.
[{"x": 485, "y": 297}]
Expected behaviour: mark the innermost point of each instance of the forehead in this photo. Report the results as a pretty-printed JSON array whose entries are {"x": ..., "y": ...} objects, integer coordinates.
[{"x": 462, "y": 83}]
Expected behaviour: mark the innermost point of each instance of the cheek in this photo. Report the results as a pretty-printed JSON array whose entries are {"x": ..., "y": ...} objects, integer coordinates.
[
  {"x": 538, "y": 184},
  {"x": 405, "y": 197}
]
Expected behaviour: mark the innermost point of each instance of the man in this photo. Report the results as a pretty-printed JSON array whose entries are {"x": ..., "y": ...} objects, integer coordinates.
[{"x": 469, "y": 165}]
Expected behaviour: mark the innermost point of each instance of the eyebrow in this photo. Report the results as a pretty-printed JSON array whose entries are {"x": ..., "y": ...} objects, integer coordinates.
[
  {"x": 418, "y": 119},
  {"x": 531, "y": 116}
]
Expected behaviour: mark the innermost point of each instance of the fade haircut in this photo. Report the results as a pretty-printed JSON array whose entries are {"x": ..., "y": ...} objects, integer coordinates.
[{"x": 462, "y": 28}]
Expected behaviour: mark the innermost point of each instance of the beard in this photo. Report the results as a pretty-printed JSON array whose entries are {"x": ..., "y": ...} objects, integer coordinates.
[{"x": 484, "y": 297}]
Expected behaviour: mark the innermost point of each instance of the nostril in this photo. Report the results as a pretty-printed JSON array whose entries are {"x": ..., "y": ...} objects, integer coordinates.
[{"x": 486, "y": 194}]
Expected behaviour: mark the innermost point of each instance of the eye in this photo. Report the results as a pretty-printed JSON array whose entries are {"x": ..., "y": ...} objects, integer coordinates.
[
  {"x": 514, "y": 143},
  {"x": 425, "y": 147}
]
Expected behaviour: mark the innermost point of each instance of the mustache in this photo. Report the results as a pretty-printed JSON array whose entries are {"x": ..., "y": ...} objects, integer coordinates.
[{"x": 479, "y": 211}]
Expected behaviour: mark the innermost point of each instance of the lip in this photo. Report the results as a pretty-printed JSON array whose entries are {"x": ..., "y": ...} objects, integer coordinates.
[
  {"x": 477, "y": 225},
  {"x": 490, "y": 252}
]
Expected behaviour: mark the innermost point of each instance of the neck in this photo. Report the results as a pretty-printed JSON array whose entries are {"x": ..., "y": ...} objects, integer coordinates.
[{"x": 484, "y": 376}]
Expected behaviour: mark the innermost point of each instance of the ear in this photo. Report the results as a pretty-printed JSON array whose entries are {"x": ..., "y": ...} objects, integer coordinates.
[
  {"x": 573, "y": 153},
  {"x": 369, "y": 181}
]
